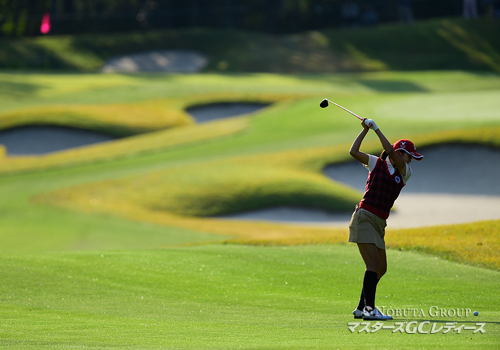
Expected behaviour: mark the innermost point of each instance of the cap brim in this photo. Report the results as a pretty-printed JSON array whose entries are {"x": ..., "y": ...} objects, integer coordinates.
[{"x": 416, "y": 156}]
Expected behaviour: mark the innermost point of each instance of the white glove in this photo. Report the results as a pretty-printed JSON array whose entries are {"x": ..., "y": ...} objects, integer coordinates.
[{"x": 371, "y": 124}]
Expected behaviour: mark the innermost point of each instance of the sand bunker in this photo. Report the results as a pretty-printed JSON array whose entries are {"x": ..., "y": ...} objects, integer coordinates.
[
  {"x": 453, "y": 184},
  {"x": 37, "y": 140},
  {"x": 171, "y": 61},
  {"x": 207, "y": 113}
]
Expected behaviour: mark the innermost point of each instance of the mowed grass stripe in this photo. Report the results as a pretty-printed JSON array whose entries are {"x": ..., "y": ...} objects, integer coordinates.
[{"x": 226, "y": 296}]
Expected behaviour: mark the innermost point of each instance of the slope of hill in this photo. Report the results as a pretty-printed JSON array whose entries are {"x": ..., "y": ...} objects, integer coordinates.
[{"x": 435, "y": 44}]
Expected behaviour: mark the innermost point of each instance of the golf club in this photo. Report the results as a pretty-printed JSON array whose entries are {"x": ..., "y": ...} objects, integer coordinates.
[{"x": 325, "y": 102}]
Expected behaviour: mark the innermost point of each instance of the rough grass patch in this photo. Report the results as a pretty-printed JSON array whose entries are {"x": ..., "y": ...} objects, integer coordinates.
[
  {"x": 126, "y": 147},
  {"x": 473, "y": 243},
  {"x": 117, "y": 120}
]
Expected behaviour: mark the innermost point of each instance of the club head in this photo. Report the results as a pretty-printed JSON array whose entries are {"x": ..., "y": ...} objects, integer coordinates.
[{"x": 324, "y": 103}]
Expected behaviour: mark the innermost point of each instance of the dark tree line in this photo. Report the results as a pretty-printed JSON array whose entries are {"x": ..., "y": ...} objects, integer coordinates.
[{"x": 23, "y": 17}]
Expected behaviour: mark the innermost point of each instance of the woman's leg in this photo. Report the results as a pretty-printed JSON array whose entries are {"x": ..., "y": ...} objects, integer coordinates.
[
  {"x": 376, "y": 265},
  {"x": 369, "y": 253},
  {"x": 382, "y": 267}
]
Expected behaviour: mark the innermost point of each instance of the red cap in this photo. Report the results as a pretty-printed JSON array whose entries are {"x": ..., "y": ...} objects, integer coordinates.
[{"x": 408, "y": 147}]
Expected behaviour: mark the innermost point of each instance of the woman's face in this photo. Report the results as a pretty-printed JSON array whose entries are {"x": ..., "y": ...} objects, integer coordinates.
[{"x": 406, "y": 157}]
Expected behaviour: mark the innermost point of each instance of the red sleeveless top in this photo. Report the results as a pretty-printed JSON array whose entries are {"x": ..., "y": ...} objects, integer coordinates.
[{"x": 381, "y": 190}]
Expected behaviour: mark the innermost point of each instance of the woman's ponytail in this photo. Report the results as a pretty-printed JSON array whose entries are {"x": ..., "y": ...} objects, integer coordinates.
[{"x": 383, "y": 155}]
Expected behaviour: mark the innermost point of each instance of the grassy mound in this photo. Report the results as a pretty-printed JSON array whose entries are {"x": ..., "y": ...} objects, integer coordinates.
[
  {"x": 175, "y": 195},
  {"x": 118, "y": 120}
]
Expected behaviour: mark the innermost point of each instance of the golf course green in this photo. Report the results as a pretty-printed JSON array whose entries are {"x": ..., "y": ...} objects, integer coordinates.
[{"x": 119, "y": 245}]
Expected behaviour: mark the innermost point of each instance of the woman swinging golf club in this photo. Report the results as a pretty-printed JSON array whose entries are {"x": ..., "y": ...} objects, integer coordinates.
[{"x": 388, "y": 174}]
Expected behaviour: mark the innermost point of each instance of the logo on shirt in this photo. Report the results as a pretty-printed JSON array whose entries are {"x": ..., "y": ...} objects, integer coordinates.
[{"x": 397, "y": 179}]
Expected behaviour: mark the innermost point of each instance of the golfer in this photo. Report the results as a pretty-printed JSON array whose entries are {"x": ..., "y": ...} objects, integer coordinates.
[{"x": 388, "y": 174}]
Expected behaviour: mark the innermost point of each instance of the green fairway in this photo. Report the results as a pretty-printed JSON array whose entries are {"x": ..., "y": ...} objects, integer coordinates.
[
  {"x": 227, "y": 297},
  {"x": 271, "y": 158},
  {"x": 116, "y": 246},
  {"x": 430, "y": 101},
  {"x": 126, "y": 244}
]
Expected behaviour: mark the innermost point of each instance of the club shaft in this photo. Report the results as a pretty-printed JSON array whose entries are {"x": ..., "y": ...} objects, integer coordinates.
[{"x": 345, "y": 109}]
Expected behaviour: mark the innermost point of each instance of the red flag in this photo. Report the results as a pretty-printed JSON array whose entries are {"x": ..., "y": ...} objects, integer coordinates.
[{"x": 45, "y": 27}]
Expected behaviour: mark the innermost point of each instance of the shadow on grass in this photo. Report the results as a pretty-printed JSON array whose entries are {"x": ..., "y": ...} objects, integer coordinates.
[
  {"x": 9, "y": 88},
  {"x": 391, "y": 86},
  {"x": 28, "y": 54}
]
